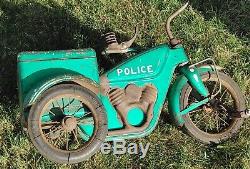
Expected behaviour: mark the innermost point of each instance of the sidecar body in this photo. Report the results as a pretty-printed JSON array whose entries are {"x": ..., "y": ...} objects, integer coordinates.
[{"x": 38, "y": 71}]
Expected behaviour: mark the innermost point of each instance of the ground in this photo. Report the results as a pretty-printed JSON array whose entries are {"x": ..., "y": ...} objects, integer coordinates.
[{"x": 211, "y": 28}]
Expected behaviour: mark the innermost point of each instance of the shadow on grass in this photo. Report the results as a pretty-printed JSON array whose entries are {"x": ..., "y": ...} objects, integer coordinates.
[
  {"x": 233, "y": 13},
  {"x": 34, "y": 27}
]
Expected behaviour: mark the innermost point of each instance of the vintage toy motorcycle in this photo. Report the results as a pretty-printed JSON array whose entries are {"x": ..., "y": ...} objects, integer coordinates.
[{"x": 70, "y": 110}]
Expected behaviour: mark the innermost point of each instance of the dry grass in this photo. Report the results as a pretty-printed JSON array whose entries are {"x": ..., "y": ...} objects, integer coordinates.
[{"x": 218, "y": 29}]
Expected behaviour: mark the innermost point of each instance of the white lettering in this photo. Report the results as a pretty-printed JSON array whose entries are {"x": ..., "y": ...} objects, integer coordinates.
[
  {"x": 144, "y": 150},
  {"x": 126, "y": 71},
  {"x": 149, "y": 68},
  {"x": 138, "y": 70},
  {"x": 133, "y": 71},
  {"x": 119, "y": 148},
  {"x": 119, "y": 71},
  {"x": 143, "y": 69},
  {"x": 105, "y": 148},
  {"x": 132, "y": 148}
]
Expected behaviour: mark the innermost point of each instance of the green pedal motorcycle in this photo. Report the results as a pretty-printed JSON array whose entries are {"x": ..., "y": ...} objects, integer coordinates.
[{"x": 70, "y": 110}]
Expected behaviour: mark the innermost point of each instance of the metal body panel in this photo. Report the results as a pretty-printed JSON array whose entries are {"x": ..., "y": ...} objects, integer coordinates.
[
  {"x": 154, "y": 67},
  {"x": 37, "y": 71},
  {"x": 158, "y": 65},
  {"x": 34, "y": 56}
]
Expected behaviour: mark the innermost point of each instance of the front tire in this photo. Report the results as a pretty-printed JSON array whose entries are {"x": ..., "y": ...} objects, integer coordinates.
[
  {"x": 67, "y": 124},
  {"x": 220, "y": 118}
]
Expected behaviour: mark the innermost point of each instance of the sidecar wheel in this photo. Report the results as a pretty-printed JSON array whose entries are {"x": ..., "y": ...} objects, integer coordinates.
[
  {"x": 217, "y": 120},
  {"x": 67, "y": 124}
]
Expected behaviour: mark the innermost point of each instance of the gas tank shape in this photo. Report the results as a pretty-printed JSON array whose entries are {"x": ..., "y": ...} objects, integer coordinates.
[{"x": 144, "y": 65}]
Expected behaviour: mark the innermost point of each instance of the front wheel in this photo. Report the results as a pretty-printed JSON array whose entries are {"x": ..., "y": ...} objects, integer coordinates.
[
  {"x": 67, "y": 124},
  {"x": 219, "y": 119}
]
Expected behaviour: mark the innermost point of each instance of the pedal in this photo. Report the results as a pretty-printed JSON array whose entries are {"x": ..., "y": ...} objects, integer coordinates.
[{"x": 245, "y": 114}]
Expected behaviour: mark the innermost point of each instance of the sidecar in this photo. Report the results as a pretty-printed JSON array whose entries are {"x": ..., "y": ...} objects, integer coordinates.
[{"x": 39, "y": 71}]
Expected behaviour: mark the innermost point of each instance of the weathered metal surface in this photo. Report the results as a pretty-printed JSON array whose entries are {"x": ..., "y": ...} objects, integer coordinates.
[
  {"x": 175, "y": 92},
  {"x": 34, "y": 56},
  {"x": 114, "y": 47},
  {"x": 142, "y": 99},
  {"x": 38, "y": 71},
  {"x": 63, "y": 120},
  {"x": 156, "y": 67},
  {"x": 173, "y": 41},
  {"x": 132, "y": 93}
]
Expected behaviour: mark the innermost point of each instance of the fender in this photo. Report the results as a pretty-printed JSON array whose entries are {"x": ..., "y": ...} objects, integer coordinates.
[
  {"x": 176, "y": 89},
  {"x": 37, "y": 90}
]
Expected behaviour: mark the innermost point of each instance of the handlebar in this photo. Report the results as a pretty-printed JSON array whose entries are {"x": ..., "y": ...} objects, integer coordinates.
[{"x": 168, "y": 29}]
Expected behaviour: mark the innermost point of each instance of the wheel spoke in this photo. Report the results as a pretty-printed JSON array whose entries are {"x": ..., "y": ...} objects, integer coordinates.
[
  {"x": 54, "y": 130},
  {"x": 201, "y": 119},
  {"x": 79, "y": 107},
  {"x": 69, "y": 105},
  {"x": 229, "y": 101},
  {"x": 75, "y": 135},
  {"x": 222, "y": 94},
  {"x": 223, "y": 108},
  {"x": 84, "y": 133},
  {"x": 51, "y": 112},
  {"x": 223, "y": 120},
  {"x": 63, "y": 104},
  {"x": 215, "y": 86},
  {"x": 217, "y": 121},
  {"x": 47, "y": 125},
  {"x": 86, "y": 120},
  {"x": 59, "y": 106},
  {"x": 53, "y": 105},
  {"x": 67, "y": 141},
  {"x": 86, "y": 114}
]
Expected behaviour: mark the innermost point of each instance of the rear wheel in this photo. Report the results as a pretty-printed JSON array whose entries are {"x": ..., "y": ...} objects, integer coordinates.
[
  {"x": 219, "y": 119},
  {"x": 67, "y": 124}
]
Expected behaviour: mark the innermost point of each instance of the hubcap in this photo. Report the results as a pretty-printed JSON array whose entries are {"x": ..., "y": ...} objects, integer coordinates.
[{"x": 69, "y": 123}]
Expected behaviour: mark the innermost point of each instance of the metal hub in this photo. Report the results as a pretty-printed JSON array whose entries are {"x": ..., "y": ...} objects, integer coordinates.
[
  {"x": 69, "y": 123},
  {"x": 208, "y": 109}
]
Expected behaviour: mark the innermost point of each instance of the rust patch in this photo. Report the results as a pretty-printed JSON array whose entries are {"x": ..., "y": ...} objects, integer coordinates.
[
  {"x": 133, "y": 97},
  {"x": 105, "y": 87},
  {"x": 87, "y": 84}
]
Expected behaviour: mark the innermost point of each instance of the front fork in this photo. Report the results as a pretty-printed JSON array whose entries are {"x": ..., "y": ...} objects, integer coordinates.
[
  {"x": 196, "y": 82},
  {"x": 192, "y": 75}
]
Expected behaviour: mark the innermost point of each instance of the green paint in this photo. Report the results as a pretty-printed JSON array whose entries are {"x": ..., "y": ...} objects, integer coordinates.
[
  {"x": 162, "y": 61},
  {"x": 113, "y": 121},
  {"x": 195, "y": 80},
  {"x": 175, "y": 93},
  {"x": 40, "y": 70},
  {"x": 37, "y": 71},
  {"x": 86, "y": 124},
  {"x": 56, "y": 55},
  {"x": 135, "y": 116},
  {"x": 193, "y": 106},
  {"x": 174, "y": 99}
]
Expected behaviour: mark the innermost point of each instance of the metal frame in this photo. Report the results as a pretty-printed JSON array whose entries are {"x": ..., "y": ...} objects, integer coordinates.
[{"x": 217, "y": 74}]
